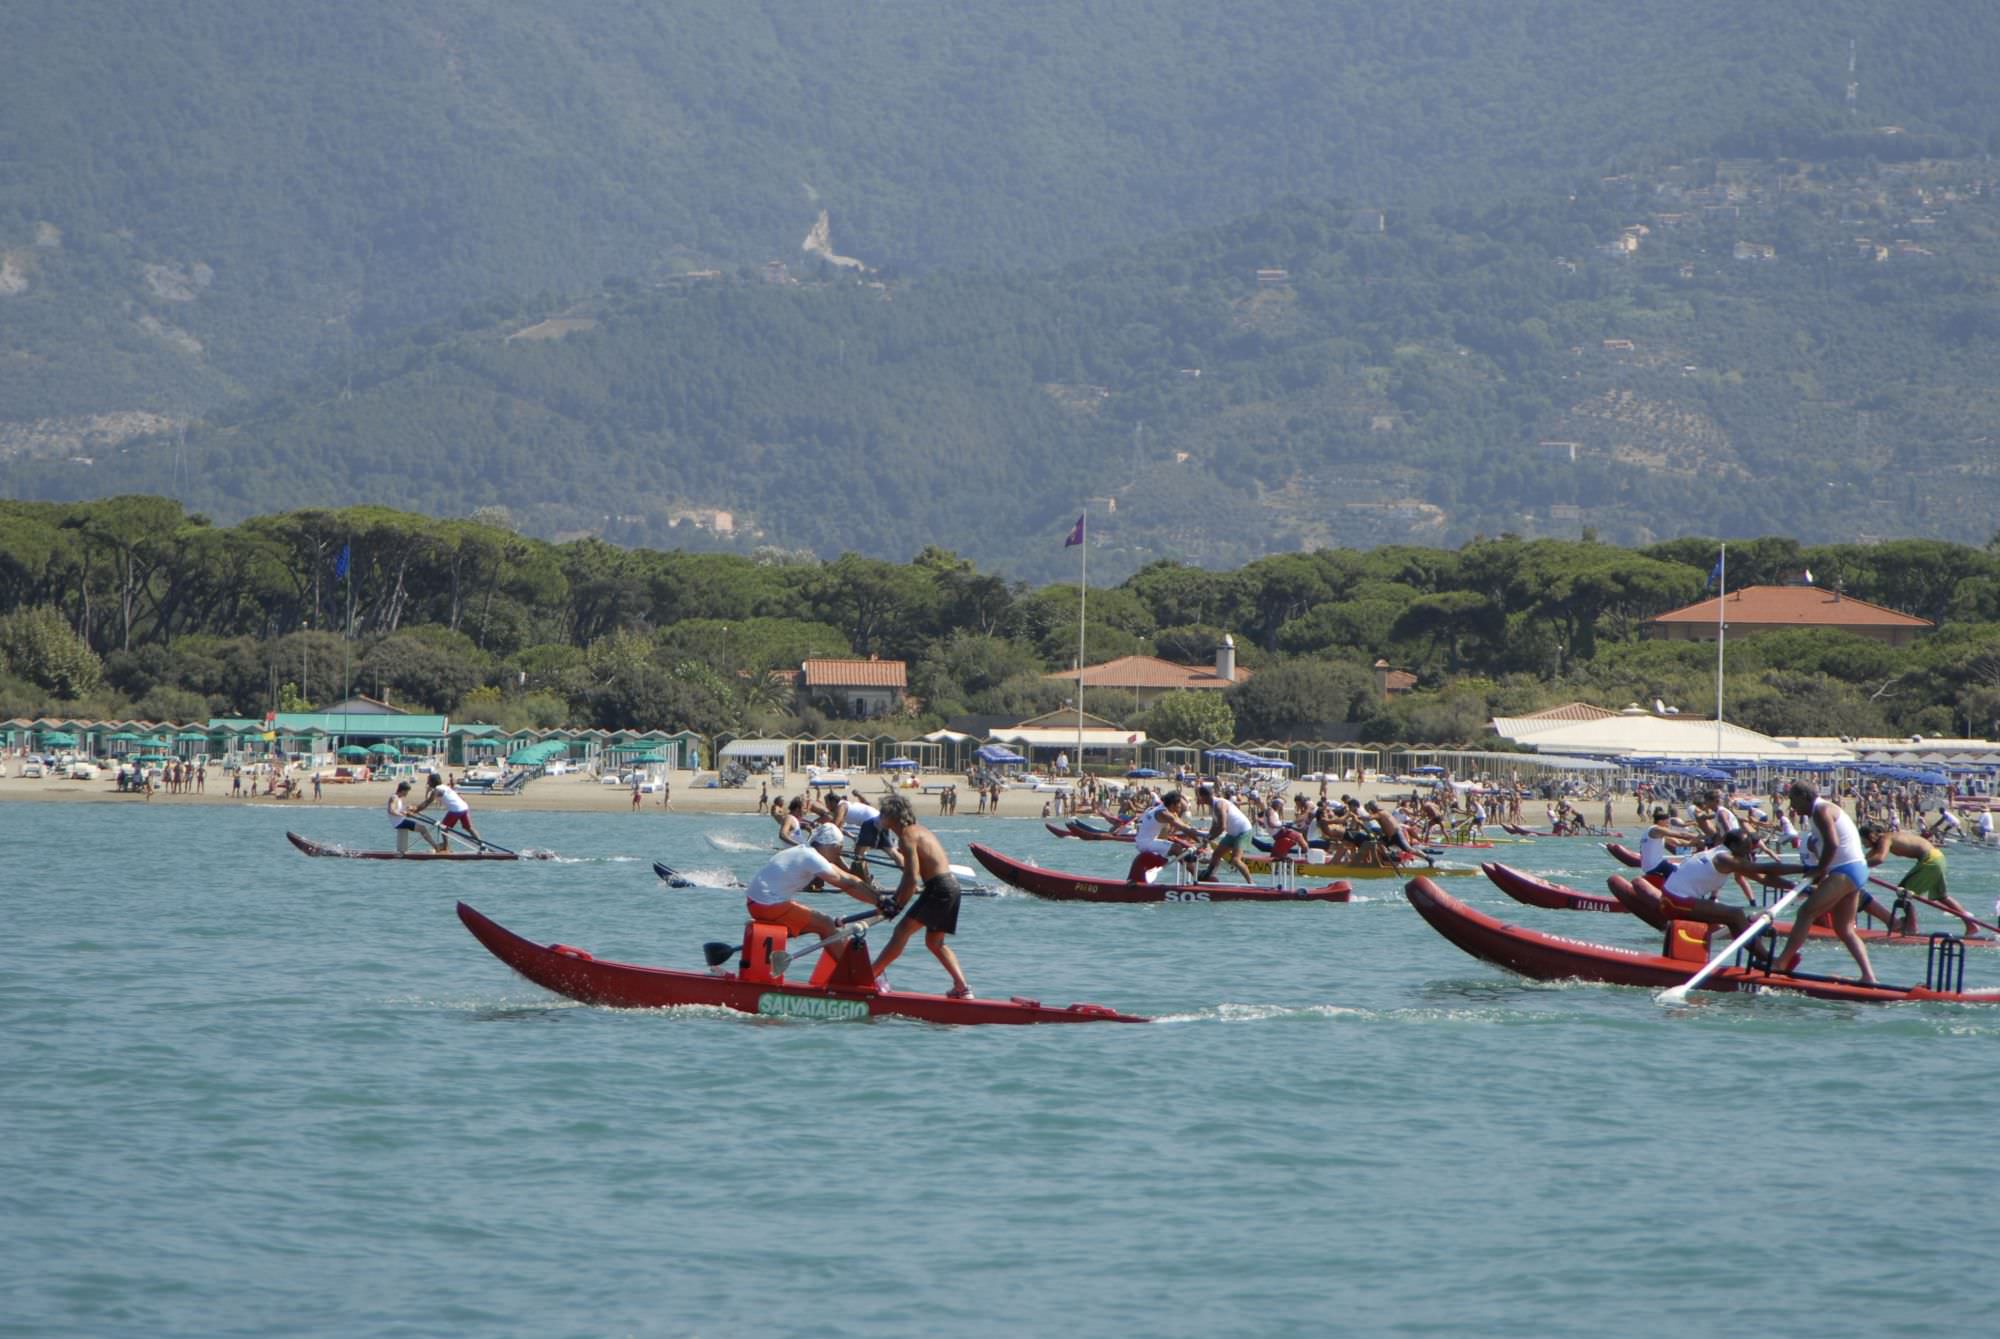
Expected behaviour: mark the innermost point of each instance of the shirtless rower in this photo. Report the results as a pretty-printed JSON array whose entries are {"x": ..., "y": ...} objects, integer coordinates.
[
  {"x": 1395, "y": 841},
  {"x": 1837, "y": 865},
  {"x": 1227, "y": 835},
  {"x": 927, "y": 878},
  {"x": 1925, "y": 879}
]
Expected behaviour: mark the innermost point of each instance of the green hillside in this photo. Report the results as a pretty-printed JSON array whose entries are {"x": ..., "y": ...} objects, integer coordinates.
[
  {"x": 200, "y": 201},
  {"x": 1710, "y": 346}
]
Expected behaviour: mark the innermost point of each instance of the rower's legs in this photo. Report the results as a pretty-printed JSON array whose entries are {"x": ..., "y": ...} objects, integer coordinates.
[
  {"x": 938, "y": 942},
  {"x": 894, "y": 949},
  {"x": 402, "y": 841}
]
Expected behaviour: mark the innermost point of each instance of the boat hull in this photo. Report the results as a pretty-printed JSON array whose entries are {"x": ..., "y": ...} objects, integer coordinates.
[
  {"x": 577, "y": 975},
  {"x": 1534, "y": 892},
  {"x": 1090, "y": 834},
  {"x": 1262, "y": 865},
  {"x": 313, "y": 848},
  {"x": 1544, "y": 957},
  {"x": 1057, "y": 886}
]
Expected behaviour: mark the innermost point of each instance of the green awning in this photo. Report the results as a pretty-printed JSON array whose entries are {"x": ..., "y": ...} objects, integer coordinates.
[
  {"x": 648, "y": 758},
  {"x": 58, "y": 737}
]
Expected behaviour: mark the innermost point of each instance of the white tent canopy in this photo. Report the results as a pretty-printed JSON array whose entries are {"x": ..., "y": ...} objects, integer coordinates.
[{"x": 756, "y": 748}]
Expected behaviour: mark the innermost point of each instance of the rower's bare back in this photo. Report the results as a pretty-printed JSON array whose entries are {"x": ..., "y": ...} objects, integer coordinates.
[{"x": 929, "y": 851}]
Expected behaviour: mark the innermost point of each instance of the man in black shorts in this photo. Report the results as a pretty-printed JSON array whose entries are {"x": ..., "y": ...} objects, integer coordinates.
[{"x": 935, "y": 907}]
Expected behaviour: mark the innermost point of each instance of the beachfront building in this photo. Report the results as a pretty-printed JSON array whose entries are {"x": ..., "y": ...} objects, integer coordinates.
[
  {"x": 1755, "y": 609},
  {"x": 1042, "y": 739},
  {"x": 858, "y": 689},
  {"x": 1637, "y": 733},
  {"x": 1149, "y": 678}
]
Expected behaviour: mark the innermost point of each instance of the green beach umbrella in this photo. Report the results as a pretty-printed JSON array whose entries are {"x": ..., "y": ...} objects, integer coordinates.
[
  {"x": 58, "y": 737},
  {"x": 122, "y": 737},
  {"x": 352, "y": 751},
  {"x": 387, "y": 750}
]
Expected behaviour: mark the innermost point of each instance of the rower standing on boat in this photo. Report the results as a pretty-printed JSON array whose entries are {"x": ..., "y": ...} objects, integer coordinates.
[
  {"x": 1394, "y": 840},
  {"x": 927, "y": 878},
  {"x": 1837, "y": 864},
  {"x": 1926, "y": 878},
  {"x": 1227, "y": 835},
  {"x": 457, "y": 813},
  {"x": 769, "y": 897},
  {"x": 404, "y": 825}
]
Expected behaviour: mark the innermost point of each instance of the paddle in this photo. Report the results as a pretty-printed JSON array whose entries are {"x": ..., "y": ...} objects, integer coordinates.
[
  {"x": 855, "y": 926},
  {"x": 1929, "y": 902},
  {"x": 1678, "y": 994},
  {"x": 887, "y": 861},
  {"x": 480, "y": 842}
]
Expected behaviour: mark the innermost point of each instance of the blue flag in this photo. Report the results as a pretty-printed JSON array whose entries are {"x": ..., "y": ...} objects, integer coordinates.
[
  {"x": 340, "y": 563},
  {"x": 1076, "y": 534},
  {"x": 1715, "y": 572}
]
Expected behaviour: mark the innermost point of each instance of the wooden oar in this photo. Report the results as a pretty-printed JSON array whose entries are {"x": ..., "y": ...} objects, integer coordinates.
[
  {"x": 1678, "y": 994},
  {"x": 1930, "y": 902}
]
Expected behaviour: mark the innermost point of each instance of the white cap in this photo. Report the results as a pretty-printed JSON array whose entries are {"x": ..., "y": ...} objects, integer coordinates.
[{"x": 826, "y": 834}]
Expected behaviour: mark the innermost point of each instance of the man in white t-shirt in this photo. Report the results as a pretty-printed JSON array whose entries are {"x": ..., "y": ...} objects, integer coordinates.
[
  {"x": 1162, "y": 833},
  {"x": 770, "y": 895},
  {"x": 457, "y": 813}
]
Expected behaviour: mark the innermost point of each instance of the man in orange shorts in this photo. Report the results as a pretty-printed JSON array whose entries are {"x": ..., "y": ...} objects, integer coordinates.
[{"x": 794, "y": 870}]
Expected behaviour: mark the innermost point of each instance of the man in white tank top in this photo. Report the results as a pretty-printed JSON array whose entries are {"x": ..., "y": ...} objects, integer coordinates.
[
  {"x": 1836, "y": 862},
  {"x": 1694, "y": 890}
]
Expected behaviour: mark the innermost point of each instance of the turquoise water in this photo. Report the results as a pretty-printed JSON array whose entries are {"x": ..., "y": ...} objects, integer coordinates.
[{"x": 248, "y": 1093}]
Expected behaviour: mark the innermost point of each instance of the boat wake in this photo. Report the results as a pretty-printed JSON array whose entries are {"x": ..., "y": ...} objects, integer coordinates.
[{"x": 722, "y": 841}]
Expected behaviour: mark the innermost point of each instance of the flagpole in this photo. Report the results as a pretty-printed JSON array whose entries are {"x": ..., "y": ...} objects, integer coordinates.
[
  {"x": 1721, "y": 593},
  {"x": 1082, "y": 594}
]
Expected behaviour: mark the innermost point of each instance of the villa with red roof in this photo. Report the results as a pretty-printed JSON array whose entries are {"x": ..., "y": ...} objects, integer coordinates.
[
  {"x": 855, "y": 688},
  {"x": 1149, "y": 678},
  {"x": 1756, "y": 609}
]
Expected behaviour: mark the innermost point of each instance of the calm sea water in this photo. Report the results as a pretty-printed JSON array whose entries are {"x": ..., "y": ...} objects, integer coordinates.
[{"x": 248, "y": 1093}]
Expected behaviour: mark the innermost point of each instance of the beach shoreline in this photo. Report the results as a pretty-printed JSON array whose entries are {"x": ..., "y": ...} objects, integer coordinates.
[{"x": 582, "y": 794}]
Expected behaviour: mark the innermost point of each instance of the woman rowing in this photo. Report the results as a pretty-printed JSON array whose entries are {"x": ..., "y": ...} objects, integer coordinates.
[{"x": 1837, "y": 864}]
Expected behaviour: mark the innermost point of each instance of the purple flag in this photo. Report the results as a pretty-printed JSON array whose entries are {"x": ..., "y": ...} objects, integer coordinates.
[{"x": 1076, "y": 535}]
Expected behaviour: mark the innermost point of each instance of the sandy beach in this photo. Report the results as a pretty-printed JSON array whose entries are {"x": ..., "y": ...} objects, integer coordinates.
[{"x": 577, "y": 794}]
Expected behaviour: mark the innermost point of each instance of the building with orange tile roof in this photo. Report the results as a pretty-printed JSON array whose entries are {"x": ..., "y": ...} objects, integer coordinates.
[
  {"x": 1149, "y": 678},
  {"x": 1755, "y": 609},
  {"x": 856, "y": 688}
]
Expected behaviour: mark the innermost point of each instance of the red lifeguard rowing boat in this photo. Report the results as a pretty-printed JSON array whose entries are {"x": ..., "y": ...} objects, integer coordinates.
[
  {"x": 841, "y": 989},
  {"x": 1545, "y": 957},
  {"x": 1057, "y": 886}
]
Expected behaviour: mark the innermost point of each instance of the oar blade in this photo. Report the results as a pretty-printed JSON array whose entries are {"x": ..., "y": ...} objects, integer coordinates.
[{"x": 715, "y": 952}]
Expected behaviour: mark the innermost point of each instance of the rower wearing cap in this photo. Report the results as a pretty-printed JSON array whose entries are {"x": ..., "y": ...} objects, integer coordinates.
[
  {"x": 769, "y": 897},
  {"x": 869, "y": 834}
]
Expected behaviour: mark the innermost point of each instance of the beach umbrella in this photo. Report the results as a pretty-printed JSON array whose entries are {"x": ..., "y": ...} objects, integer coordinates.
[
  {"x": 188, "y": 734},
  {"x": 385, "y": 750},
  {"x": 416, "y": 745},
  {"x": 1428, "y": 767},
  {"x": 122, "y": 737},
  {"x": 1143, "y": 773},
  {"x": 899, "y": 762},
  {"x": 351, "y": 751},
  {"x": 58, "y": 737}
]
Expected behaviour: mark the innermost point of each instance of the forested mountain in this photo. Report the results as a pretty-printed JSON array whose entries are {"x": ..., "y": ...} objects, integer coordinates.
[
  {"x": 202, "y": 198},
  {"x": 1711, "y": 346},
  {"x": 1717, "y": 257}
]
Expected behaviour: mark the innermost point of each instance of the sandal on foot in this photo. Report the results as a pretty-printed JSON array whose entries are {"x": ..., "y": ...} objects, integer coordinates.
[{"x": 956, "y": 994}]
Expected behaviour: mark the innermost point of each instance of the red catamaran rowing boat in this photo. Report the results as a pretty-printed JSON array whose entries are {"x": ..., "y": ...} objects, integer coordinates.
[
  {"x": 843, "y": 988},
  {"x": 1545, "y": 957},
  {"x": 1059, "y": 887},
  {"x": 1643, "y": 900}
]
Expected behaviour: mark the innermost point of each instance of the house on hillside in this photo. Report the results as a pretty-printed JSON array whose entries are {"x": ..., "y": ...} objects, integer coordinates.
[
  {"x": 859, "y": 689},
  {"x": 1755, "y": 609},
  {"x": 1390, "y": 681},
  {"x": 1149, "y": 678}
]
